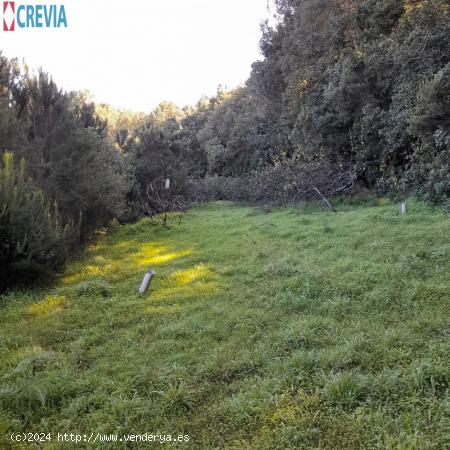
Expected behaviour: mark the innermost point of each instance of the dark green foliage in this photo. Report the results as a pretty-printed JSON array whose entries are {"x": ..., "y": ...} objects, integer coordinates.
[
  {"x": 65, "y": 145},
  {"x": 33, "y": 240},
  {"x": 12, "y": 134},
  {"x": 344, "y": 78},
  {"x": 87, "y": 176},
  {"x": 429, "y": 167},
  {"x": 234, "y": 138},
  {"x": 67, "y": 150},
  {"x": 156, "y": 155},
  {"x": 73, "y": 164}
]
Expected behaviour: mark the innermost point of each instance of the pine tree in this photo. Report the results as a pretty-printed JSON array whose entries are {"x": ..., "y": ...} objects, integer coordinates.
[{"x": 33, "y": 240}]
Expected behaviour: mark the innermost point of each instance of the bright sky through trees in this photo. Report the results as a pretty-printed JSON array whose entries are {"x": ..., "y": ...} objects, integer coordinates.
[{"x": 137, "y": 53}]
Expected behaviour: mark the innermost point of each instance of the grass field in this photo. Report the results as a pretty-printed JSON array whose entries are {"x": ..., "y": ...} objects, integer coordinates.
[{"x": 289, "y": 328}]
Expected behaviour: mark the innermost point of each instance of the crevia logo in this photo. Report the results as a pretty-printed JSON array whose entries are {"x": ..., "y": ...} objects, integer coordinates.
[
  {"x": 9, "y": 16},
  {"x": 16, "y": 16}
]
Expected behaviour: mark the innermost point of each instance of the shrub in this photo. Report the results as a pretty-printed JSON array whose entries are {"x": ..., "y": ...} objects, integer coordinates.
[
  {"x": 87, "y": 176},
  {"x": 33, "y": 241},
  {"x": 428, "y": 170}
]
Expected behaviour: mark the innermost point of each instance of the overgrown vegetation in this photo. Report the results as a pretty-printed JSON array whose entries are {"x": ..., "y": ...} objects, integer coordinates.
[
  {"x": 72, "y": 164},
  {"x": 285, "y": 328},
  {"x": 33, "y": 241},
  {"x": 347, "y": 93}
]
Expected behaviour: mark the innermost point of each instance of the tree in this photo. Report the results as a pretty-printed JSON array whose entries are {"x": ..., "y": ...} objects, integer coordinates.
[
  {"x": 154, "y": 155},
  {"x": 66, "y": 147},
  {"x": 33, "y": 239}
]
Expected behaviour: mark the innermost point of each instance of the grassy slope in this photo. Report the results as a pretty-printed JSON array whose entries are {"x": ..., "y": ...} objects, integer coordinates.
[{"x": 293, "y": 328}]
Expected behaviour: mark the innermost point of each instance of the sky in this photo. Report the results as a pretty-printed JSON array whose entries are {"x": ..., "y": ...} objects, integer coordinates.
[{"x": 133, "y": 54}]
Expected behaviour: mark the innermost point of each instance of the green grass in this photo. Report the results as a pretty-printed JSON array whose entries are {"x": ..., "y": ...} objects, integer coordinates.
[{"x": 263, "y": 329}]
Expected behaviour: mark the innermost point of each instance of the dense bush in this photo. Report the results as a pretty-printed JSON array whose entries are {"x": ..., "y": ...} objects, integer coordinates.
[
  {"x": 428, "y": 171},
  {"x": 87, "y": 177},
  {"x": 155, "y": 156},
  {"x": 349, "y": 83},
  {"x": 65, "y": 145},
  {"x": 33, "y": 240}
]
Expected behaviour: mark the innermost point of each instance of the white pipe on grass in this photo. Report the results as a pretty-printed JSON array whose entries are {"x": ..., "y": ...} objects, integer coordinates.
[{"x": 146, "y": 281}]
